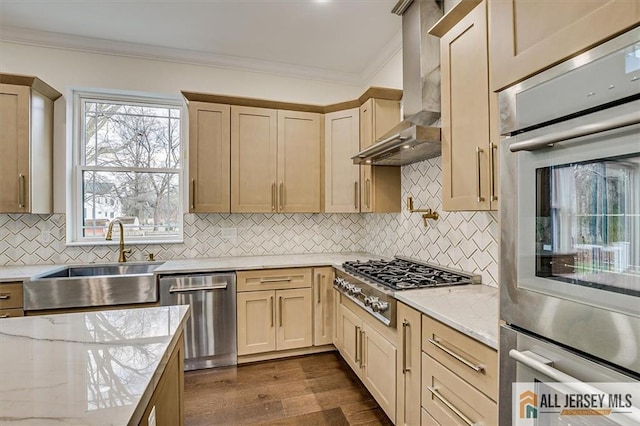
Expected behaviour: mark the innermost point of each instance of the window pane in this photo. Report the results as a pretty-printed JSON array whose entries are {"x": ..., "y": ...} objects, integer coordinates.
[
  {"x": 117, "y": 135},
  {"x": 148, "y": 204}
]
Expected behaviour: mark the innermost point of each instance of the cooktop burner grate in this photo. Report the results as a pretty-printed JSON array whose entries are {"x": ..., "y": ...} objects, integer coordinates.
[{"x": 405, "y": 274}]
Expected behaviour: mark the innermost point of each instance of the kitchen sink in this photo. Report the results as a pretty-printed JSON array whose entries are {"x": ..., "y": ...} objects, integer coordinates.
[{"x": 82, "y": 286}]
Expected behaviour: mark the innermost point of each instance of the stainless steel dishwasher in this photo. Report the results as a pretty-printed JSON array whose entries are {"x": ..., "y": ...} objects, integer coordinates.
[{"x": 210, "y": 334}]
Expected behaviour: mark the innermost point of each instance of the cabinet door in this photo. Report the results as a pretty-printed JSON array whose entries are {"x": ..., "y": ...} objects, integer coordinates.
[
  {"x": 298, "y": 162},
  {"x": 349, "y": 337},
  {"x": 209, "y": 157},
  {"x": 465, "y": 97},
  {"x": 253, "y": 160},
  {"x": 323, "y": 306},
  {"x": 14, "y": 148},
  {"x": 379, "y": 369},
  {"x": 408, "y": 371},
  {"x": 342, "y": 177},
  {"x": 529, "y": 36},
  {"x": 380, "y": 185},
  {"x": 295, "y": 319},
  {"x": 256, "y": 322}
]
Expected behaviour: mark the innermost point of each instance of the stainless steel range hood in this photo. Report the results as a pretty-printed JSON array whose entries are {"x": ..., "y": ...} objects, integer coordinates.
[{"x": 417, "y": 137}]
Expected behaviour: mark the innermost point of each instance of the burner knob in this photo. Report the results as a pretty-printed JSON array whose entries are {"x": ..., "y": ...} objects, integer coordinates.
[
  {"x": 379, "y": 306},
  {"x": 370, "y": 300},
  {"x": 355, "y": 290}
]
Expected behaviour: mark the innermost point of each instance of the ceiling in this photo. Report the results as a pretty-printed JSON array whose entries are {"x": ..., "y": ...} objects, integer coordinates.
[{"x": 339, "y": 40}]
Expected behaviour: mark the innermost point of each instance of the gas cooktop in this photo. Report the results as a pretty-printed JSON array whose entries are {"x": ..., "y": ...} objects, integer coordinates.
[{"x": 405, "y": 274}]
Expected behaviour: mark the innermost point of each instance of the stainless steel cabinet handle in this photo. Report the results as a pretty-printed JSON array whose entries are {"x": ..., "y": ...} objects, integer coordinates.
[
  {"x": 273, "y": 314},
  {"x": 450, "y": 406},
  {"x": 492, "y": 165},
  {"x": 479, "y": 188},
  {"x": 5, "y": 296},
  {"x": 281, "y": 196},
  {"x": 405, "y": 326},
  {"x": 275, "y": 280},
  {"x": 362, "y": 346},
  {"x": 320, "y": 276},
  {"x": 355, "y": 195},
  {"x": 193, "y": 194},
  {"x": 5, "y": 316},
  {"x": 358, "y": 346},
  {"x": 474, "y": 367},
  {"x": 280, "y": 309},
  {"x": 22, "y": 191},
  {"x": 203, "y": 288},
  {"x": 273, "y": 196}
]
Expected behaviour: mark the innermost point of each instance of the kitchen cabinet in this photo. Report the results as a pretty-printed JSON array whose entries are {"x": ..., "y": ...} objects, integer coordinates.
[
  {"x": 459, "y": 376},
  {"x": 209, "y": 157},
  {"x": 26, "y": 144},
  {"x": 380, "y": 185},
  {"x": 167, "y": 400},
  {"x": 469, "y": 136},
  {"x": 275, "y": 161},
  {"x": 323, "y": 318},
  {"x": 371, "y": 355},
  {"x": 342, "y": 177},
  {"x": 408, "y": 369},
  {"x": 11, "y": 302},
  {"x": 278, "y": 316},
  {"x": 529, "y": 36}
]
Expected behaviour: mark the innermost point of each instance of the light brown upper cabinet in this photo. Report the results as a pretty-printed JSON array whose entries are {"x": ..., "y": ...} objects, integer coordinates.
[
  {"x": 529, "y": 36},
  {"x": 254, "y": 147},
  {"x": 468, "y": 110},
  {"x": 380, "y": 185},
  {"x": 342, "y": 177},
  {"x": 209, "y": 157},
  {"x": 275, "y": 161},
  {"x": 26, "y": 145}
]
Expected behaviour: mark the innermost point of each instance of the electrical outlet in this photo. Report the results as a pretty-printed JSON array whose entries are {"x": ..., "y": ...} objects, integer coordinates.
[{"x": 152, "y": 417}]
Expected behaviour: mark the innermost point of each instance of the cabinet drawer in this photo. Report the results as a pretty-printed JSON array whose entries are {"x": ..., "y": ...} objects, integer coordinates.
[
  {"x": 10, "y": 295},
  {"x": 9, "y": 313},
  {"x": 452, "y": 401},
  {"x": 473, "y": 361},
  {"x": 273, "y": 279}
]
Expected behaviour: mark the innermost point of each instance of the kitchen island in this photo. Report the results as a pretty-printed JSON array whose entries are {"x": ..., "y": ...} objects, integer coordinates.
[{"x": 98, "y": 368}]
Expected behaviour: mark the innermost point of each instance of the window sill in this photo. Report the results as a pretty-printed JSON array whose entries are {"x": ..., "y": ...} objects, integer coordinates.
[{"x": 126, "y": 242}]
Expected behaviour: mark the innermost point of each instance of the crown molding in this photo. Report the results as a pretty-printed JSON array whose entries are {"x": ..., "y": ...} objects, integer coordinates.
[{"x": 135, "y": 50}]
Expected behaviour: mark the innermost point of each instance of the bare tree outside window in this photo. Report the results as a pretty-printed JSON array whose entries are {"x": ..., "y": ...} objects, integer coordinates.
[{"x": 130, "y": 168}]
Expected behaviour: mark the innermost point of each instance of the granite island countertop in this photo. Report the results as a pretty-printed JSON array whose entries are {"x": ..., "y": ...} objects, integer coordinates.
[
  {"x": 94, "y": 368},
  {"x": 470, "y": 309}
]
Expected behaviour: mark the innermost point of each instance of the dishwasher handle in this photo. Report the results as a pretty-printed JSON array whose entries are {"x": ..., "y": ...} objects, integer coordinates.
[{"x": 201, "y": 288}]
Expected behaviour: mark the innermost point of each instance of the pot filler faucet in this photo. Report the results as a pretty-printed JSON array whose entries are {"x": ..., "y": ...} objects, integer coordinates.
[{"x": 109, "y": 237}]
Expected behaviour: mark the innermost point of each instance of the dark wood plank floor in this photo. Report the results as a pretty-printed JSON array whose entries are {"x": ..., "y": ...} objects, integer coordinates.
[{"x": 310, "y": 390}]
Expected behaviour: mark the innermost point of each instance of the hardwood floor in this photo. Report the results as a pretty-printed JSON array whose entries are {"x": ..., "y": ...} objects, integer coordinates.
[{"x": 310, "y": 390}]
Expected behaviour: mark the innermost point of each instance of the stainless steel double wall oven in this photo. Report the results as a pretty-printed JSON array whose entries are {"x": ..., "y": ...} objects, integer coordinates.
[{"x": 570, "y": 222}]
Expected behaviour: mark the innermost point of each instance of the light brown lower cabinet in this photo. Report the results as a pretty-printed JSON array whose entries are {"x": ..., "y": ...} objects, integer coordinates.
[
  {"x": 274, "y": 320},
  {"x": 167, "y": 399},
  {"x": 409, "y": 323},
  {"x": 371, "y": 356},
  {"x": 11, "y": 300},
  {"x": 323, "y": 317}
]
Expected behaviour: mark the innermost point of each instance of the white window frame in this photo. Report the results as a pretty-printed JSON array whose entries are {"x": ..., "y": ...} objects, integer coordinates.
[{"x": 74, "y": 221}]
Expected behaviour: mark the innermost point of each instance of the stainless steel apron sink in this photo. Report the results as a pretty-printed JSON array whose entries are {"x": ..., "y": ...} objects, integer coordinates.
[{"x": 93, "y": 285}]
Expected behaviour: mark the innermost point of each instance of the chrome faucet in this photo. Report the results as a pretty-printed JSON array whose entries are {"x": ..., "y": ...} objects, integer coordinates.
[{"x": 109, "y": 237}]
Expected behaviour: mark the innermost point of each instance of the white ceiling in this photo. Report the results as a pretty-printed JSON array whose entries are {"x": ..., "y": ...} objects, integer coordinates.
[{"x": 343, "y": 40}]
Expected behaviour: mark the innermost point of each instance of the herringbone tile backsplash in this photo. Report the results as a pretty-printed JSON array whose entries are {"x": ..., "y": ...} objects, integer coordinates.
[
  {"x": 460, "y": 240},
  {"x": 466, "y": 241}
]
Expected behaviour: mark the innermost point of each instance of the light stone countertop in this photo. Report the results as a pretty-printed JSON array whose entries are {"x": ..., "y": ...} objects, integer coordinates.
[
  {"x": 95, "y": 368},
  {"x": 26, "y": 272},
  {"x": 240, "y": 263},
  {"x": 470, "y": 309}
]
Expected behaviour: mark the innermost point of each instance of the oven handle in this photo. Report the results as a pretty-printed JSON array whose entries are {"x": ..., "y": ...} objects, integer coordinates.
[
  {"x": 570, "y": 382},
  {"x": 544, "y": 141}
]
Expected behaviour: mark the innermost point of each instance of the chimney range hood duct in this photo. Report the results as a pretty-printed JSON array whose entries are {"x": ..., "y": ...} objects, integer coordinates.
[{"x": 417, "y": 136}]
